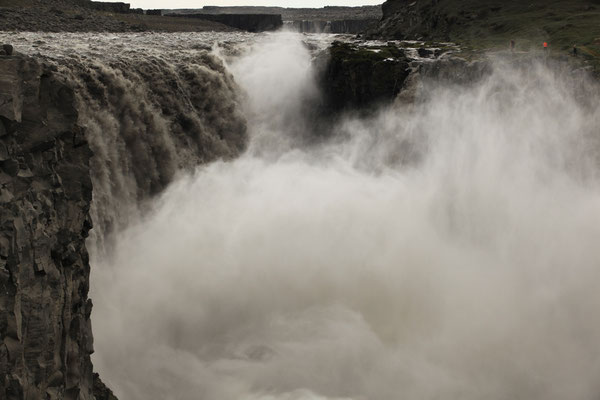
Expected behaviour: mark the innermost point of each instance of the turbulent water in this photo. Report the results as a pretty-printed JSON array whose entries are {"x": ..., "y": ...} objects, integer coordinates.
[
  {"x": 150, "y": 106},
  {"x": 446, "y": 249}
]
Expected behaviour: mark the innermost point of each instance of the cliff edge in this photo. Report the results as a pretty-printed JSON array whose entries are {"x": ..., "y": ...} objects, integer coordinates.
[
  {"x": 69, "y": 136},
  {"x": 45, "y": 198}
]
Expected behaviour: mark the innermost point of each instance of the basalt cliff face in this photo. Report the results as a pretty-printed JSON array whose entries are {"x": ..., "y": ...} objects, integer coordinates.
[
  {"x": 356, "y": 77},
  {"x": 348, "y": 26},
  {"x": 44, "y": 271},
  {"x": 246, "y": 22},
  {"x": 85, "y": 143}
]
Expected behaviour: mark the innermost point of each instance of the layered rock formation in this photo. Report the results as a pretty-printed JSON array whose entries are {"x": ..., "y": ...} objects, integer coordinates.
[
  {"x": 84, "y": 141},
  {"x": 349, "y": 26},
  {"x": 329, "y": 19},
  {"x": 46, "y": 193},
  {"x": 246, "y": 22},
  {"x": 328, "y": 13}
]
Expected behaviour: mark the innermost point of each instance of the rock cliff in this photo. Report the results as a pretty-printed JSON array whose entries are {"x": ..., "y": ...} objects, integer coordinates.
[
  {"x": 349, "y": 26},
  {"x": 246, "y": 22},
  {"x": 84, "y": 142},
  {"x": 358, "y": 77},
  {"x": 46, "y": 194}
]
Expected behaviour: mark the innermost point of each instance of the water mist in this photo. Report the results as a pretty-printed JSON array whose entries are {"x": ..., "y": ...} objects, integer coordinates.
[{"x": 446, "y": 249}]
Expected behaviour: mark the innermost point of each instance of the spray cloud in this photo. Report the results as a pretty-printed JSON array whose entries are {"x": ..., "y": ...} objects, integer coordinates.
[{"x": 444, "y": 250}]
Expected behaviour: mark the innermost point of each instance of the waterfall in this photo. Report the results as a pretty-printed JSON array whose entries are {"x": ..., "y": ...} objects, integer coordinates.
[{"x": 443, "y": 248}]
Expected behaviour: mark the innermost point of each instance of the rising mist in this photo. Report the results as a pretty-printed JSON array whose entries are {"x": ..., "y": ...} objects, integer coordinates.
[{"x": 442, "y": 249}]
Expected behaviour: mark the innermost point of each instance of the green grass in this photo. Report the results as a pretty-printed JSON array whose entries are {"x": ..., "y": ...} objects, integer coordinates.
[{"x": 484, "y": 25}]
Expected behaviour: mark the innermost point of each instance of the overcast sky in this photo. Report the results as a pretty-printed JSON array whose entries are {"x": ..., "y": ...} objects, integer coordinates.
[{"x": 146, "y": 4}]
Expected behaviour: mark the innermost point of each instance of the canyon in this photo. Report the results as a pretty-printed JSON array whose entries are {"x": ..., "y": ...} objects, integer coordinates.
[{"x": 296, "y": 216}]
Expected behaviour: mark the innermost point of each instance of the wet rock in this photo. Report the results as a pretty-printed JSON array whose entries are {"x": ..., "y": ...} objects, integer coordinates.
[
  {"x": 8, "y": 49},
  {"x": 101, "y": 391},
  {"x": 362, "y": 78},
  {"x": 425, "y": 53}
]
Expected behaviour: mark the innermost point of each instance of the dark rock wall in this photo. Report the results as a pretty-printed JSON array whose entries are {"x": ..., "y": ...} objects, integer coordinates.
[
  {"x": 362, "y": 78},
  {"x": 84, "y": 141},
  {"x": 46, "y": 193},
  {"x": 350, "y": 26},
  {"x": 246, "y": 22}
]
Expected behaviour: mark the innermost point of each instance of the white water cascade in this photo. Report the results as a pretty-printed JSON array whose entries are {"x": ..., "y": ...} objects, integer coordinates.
[{"x": 446, "y": 249}]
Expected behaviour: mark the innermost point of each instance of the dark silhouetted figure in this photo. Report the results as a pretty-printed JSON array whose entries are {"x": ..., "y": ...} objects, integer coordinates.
[
  {"x": 512, "y": 46},
  {"x": 575, "y": 50}
]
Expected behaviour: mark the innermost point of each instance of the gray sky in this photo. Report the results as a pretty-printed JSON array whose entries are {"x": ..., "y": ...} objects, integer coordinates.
[{"x": 146, "y": 4}]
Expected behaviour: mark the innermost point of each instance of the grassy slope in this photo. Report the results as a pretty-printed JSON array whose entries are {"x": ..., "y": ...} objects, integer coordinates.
[
  {"x": 530, "y": 22},
  {"x": 491, "y": 24}
]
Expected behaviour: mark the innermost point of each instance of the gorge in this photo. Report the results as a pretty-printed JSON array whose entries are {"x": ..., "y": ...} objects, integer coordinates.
[{"x": 295, "y": 217}]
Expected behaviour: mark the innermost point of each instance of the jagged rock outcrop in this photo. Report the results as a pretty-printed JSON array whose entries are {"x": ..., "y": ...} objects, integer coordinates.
[
  {"x": 357, "y": 77},
  {"x": 246, "y": 22},
  {"x": 83, "y": 141},
  {"x": 101, "y": 392}
]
